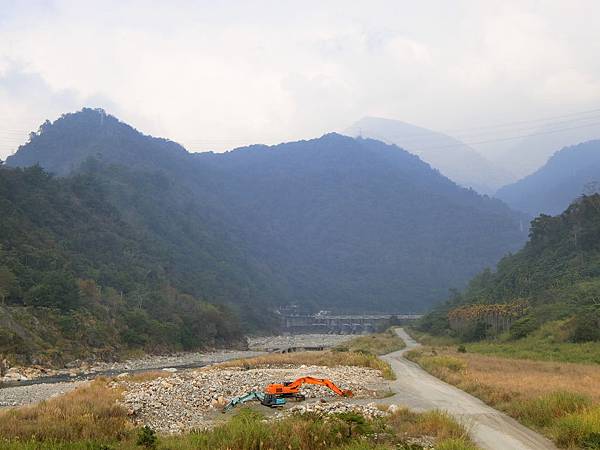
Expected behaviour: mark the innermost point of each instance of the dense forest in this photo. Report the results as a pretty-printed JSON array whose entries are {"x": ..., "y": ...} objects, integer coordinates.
[
  {"x": 331, "y": 223},
  {"x": 556, "y": 276},
  {"x": 79, "y": 279}
]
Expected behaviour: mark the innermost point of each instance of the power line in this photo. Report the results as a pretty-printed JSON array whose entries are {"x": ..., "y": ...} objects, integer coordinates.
[
  {"x": 511, "y": 137},
  {"x": 428, "y": 137},
  {"x": 596, "y": 110}
]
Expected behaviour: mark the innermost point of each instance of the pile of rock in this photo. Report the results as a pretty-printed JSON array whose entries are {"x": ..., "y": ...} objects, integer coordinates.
[
  {"x": 369, "y": 411},
  {"x": 189, "y": 399}
]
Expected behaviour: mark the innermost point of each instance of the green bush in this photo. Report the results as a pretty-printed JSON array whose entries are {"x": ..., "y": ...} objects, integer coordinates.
[
  {"x": 586, "y": 327},
  {"x": 523, "y": 327},
  {"x": 147, "y": 438}
]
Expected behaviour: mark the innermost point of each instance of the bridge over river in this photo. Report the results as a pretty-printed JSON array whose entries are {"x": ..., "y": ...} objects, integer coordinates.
[{"x": 343, "y": 324}]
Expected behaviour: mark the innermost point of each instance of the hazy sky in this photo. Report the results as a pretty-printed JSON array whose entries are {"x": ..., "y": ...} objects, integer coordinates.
[{"x": 215, "y": 75}]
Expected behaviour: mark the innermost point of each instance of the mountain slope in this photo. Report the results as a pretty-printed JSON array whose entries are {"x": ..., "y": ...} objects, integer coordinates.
[
  {"x": 554, "y": 186},
  {"x": 355, "y": 224},
  {"x": 557, "y": 273},
  {"x": 334, "y": 223},
  {"x": 454, "y": 159},
  {"x": 78, "y": 280}
]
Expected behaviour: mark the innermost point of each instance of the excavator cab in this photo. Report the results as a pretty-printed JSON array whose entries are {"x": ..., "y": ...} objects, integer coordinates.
[{"x": 272, "y": 401}]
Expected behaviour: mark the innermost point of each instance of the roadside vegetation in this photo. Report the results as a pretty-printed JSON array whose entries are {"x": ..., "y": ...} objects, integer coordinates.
[{"x": 561, "y": 400}]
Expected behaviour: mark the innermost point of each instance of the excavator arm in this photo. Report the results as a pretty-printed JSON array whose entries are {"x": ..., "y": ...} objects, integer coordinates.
[
  {"x": 243, "y": 399},
  {"x": 292, "y": 388},
  {"x": 272, "y": 401}
]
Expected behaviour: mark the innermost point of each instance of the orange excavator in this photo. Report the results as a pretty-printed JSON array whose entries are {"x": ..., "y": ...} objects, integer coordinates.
[
  {"x": 291, "y": 389},
  {"x": 276, "y": 394}
]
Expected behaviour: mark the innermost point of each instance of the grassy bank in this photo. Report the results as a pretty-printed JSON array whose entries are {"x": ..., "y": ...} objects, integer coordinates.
[
  {"x": 327, "y": 358},
  {"x": 541, "y": 350},
  {"x": 562, "y": 400},
  {"x": 549, "y": 343},
  {"x": 90, "y": 412},
  {"x": 375, "y": 344}
]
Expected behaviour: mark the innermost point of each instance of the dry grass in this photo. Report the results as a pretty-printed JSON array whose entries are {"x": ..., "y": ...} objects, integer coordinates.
[
  {"x": 560, "y": 399},
  {"x": 325, "y": 358},
  {"x": 515, "y": 378},
  {"x": 140, "y": 377},
  {"x": 448, "y": 434},
  {"x": 87, "y": 413},
  {"x": 437, "y": 424},
  {"x": 377, "y": 344}
]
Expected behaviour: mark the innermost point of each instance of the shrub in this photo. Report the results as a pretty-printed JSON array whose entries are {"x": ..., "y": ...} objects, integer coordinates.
[
  {"x": 586, "y": 327},
  {"x": 461, "y": 349},
  {"x": 147, "y": 438},
  {"x": 523, "y": 327}
]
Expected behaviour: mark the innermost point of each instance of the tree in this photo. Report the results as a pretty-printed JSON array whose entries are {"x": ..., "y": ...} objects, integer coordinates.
[
  {"x": 56, "y": 290},
  {"x": 8, "y": 282}
]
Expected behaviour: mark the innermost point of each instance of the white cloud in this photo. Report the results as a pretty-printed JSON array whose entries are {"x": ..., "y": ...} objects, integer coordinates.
[{"x": 218, "y": 75}]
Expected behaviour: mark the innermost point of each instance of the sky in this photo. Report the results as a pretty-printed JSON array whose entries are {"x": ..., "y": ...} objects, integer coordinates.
[{"x": 214, "y": 75}]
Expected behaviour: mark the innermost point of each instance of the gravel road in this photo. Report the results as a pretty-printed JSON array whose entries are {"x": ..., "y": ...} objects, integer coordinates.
[{"x": 489, "y": 428}]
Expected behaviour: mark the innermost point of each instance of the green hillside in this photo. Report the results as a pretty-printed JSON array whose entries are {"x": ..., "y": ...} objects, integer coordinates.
[
  {"x": 556, "y": 275},
  {"x": 79, "y": 279}
]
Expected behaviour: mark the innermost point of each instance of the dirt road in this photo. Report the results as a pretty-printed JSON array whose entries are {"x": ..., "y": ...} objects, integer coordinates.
[{"x": 489, "y": 428}]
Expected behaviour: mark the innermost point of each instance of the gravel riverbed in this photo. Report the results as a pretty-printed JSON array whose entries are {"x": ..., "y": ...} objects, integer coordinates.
[
  {"x": 192, "y": 399},
  {"x": 26, "y": 395},
  {"x": 256, "y": 345},
  {"x": 16, "y": 395}
]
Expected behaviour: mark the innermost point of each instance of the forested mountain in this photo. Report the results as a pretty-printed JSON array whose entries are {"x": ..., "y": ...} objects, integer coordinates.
[
  {"x": 556, "y": 275},
  {"x": 454, "y": 159},
  {"x": 555, "y": 185},
  {"x": 78, "y": 279},
  {"x": 356, "y": 224},
  {"x": 331, "y": 223}
]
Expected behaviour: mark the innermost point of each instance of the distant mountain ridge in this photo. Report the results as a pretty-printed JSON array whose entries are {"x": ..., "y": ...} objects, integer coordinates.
[
  {"x": 560, "y": 181},
  {"x": 451, "y": 157},
  {"x": 334, "y": 222}
]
